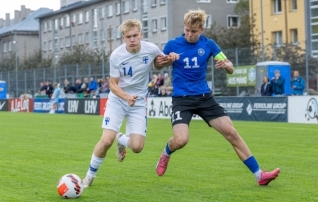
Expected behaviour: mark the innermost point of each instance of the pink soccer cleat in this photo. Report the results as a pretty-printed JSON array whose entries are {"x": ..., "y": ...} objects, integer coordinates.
[
  {"x": 162, "y": 164},
  {"x": 267, "y": 177}
]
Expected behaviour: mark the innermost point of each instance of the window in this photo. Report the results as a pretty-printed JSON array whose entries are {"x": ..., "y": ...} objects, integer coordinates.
[
  {"x": 293, "y": 5},
  {"x": 203, "y": 1},
  {"x": 162, "y": 2},
  {"x": 233, "y": 21},
  {"x": 56, "y": 44},
  {"x": 145, "y": 28},
  {"x": 95, "y": 17},
  {"x": 109, "y": 10},
  {"x": 95, "y": 39},
  {"x": 278, "y": 38},
  {"x": 61, "y": 43},
  {"x": 110, "y": 34},
  {"x": 73, "y": 19},
  {"x": 163, "y": 21},
  {"x": 67, "y": 20},
  {"x": 208, "y": 21},
  {"x": 45, "y": 26},
  {"x": 50, "y": 25},
  {"x": 80, "y": 18},
  {"x": 126, "y": 6},
  {"x": 144, "y": 7},
  {"x": 231, "y": 1},
  {"x": 44, "y": 46},
  {"x": 73, "y": 40},
  {"x": 10, "y": 46},
  {"x": 134, "y": 5},
  {"x": 118, "y": 34},
  {"x": 102, "y": 13},
  {"x": 153, "y": 3},
  {"x": 56, "y": 24},
  {"x": 67, "y": 41},
  {"x": 5, "y": 47},
  {"x": 50, "y": 45},
  {"x": 61, "y": 23},
  {"x": 87, "y": 37},
  {"x": 277, "y": 6},
  {"x": 117, "y": 8},
  {"x": 86, "y": 16},
  {"x": 294, "y": 36},
  {"x": 154, "y": 25},
  {"x": 80, "y": 38},
  {"x": 102, "y": 35}
]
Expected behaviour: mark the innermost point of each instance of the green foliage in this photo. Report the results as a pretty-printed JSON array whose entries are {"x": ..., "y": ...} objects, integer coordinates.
[
  {"x": 35, "y": 60},
  {"x": 37, "y": 149},
  {"x": 242, "y": 7},
  {"x": 81, "y": 55}
]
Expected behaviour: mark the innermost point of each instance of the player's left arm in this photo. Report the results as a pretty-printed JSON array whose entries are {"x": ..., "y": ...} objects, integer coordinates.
[{"x": 226, "y": 64}]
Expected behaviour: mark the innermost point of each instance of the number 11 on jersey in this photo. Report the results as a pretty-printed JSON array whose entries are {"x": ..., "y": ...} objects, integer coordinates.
[{"x": 129, "y": 71}]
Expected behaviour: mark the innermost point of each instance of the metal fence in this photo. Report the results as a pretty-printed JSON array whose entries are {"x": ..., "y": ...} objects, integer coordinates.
[{"x": 28, "y": 81}]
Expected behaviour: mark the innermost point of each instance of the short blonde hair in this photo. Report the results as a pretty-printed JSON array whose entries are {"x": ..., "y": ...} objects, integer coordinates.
[
  {"x": 195, "y": 18},
  {"x": 129, "y": 24}
]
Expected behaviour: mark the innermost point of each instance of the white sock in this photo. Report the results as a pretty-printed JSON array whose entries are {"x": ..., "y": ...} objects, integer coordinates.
[
  {"x": 258, "y": 175},
  {"x": 94, "y": 165},
  {"x": 124, "y": 140}
]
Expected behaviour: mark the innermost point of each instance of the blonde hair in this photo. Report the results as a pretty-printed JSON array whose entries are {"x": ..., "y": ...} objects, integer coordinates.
[
  {"x": 195, "y": 18},
  {"x": 129, "y": 24}
]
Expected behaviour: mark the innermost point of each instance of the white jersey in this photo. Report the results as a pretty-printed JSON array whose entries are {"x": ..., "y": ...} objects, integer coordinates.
[{"x": 133, "y": 69}]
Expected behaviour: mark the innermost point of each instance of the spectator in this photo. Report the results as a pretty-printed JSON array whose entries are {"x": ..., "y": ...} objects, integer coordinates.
[
  {"x": 152, "y": 91},
  {"x": 105, "y": 85},
  {"x": 277, "y": 84},
  {"x": 297, "y": 84},
  {"x": 68, "y": 88},
  {"x": 166, "y": 88},
  {"x": 266, "y": 89},
  {"x": 42, "y": 88},
  {"x": 83, "y": 86},
  {"x": 49, "y": 89},
  {"x": 78, "y": 84},
  {"x": 92, "y": 85}
]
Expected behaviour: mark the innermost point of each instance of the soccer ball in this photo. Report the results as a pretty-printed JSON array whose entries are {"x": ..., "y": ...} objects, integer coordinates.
[{"x": 70, "y": 186}]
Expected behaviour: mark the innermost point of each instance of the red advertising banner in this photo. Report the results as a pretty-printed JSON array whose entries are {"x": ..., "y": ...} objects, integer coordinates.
[
  {"x": 102, "y": 107},
  {"x": 20, "y": 105}
]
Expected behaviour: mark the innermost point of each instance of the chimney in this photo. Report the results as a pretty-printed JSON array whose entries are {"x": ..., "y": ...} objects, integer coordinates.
[
  {"x": 16, "y": 16},
  {"x": 23, "y": 12},
  {"x": 1, "y": 22},
  {"x": 28, "y": 11},
  {"x": 7, "y": 19}
]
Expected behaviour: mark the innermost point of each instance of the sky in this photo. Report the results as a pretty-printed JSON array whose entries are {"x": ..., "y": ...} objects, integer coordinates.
[{"x": 8, "y": 6}]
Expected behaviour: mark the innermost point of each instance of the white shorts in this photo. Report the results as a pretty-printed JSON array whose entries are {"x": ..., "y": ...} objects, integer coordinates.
[{"x": 136, "y": 116}]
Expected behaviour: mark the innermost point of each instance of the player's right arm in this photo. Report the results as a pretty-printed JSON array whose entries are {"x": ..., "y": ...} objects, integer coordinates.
[
  {"x": 113, "y": 84},
  {"x": 162, "y": 61}
]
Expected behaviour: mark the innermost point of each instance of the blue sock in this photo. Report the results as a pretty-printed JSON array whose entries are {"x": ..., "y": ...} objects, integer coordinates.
[
  {"x": 252, "y": 164},
  {"x": 167, "y": 151}
]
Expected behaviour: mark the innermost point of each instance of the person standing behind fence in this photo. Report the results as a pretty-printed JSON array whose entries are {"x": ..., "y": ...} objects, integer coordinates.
[
  {"x": 297, "y": 84},
  {"x": 277, "y": 84},
  {"x": 55, "y": 97},
  {"x": 266, "y": 88}
]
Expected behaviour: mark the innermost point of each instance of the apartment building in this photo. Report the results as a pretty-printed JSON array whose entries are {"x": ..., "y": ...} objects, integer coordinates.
[
  {"x": 19, "y": 36},
  {"x": 94, "y": 24},
  {"x": 283, "y": 21}
]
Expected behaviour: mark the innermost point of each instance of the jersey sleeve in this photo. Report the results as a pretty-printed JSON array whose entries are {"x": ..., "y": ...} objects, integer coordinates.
[
  {"x": 167, "y": 48},
  {"x": 114, "y": 68},
  {"x": 216, "y": 51}
]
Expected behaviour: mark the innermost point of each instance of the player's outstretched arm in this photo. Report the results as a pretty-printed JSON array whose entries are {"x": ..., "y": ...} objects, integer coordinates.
[
  {"x": 162, "y": 61},
  {"x": 226, "y": 65}
]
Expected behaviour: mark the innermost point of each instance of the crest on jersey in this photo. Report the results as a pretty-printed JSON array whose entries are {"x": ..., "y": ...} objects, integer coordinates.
[
  {"x": 145, "y": 59},
  {"x": 201, "y": 51}
]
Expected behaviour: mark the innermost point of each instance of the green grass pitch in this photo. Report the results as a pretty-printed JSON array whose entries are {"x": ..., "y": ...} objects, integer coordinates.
[{"x": 37, "y": 149}]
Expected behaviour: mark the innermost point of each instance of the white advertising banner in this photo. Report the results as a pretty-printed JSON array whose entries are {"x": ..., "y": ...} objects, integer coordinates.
[
  {"x": 303, "y": 109},
  {"x": 161, "y": 107}
]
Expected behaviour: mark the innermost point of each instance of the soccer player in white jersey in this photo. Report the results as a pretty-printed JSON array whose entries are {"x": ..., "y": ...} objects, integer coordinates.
[{"x": 130, "y": 66}]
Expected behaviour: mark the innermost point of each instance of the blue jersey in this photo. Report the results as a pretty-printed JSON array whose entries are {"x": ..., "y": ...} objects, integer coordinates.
[{"x": 189, "y": 72}]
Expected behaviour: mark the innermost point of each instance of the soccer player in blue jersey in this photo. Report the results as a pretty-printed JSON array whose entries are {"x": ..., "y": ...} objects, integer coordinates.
[{"x": 189, "y": 55}]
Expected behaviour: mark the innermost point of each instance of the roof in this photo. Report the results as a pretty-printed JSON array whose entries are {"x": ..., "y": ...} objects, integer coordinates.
[
  {"x": 70, "y": 7},
  {"x": 30, "y": 23},
  {"x": 272, "y": 63}
]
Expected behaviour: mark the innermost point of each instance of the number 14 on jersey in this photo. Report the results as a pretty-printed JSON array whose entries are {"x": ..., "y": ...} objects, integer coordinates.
[{"x": 130, "y": 73}]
